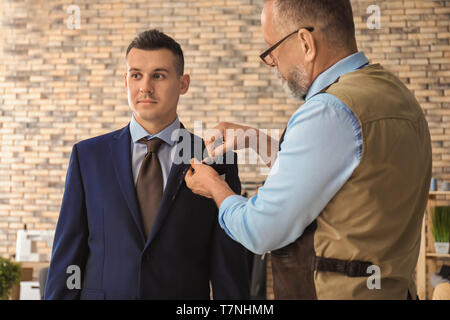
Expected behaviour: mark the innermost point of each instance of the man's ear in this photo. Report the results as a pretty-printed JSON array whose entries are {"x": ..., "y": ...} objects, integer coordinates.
[
  {"x": 185, "y": 80},
  {"x": 126, "y": 82},
  {"x": 307, "y": 45}
]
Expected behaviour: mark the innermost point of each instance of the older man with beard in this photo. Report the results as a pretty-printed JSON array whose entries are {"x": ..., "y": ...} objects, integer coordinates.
[{"x": 342, "y": 207}]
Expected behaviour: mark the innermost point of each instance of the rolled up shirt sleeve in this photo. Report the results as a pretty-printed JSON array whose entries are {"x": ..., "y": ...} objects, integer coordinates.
[{"x": 321, "y": 149}]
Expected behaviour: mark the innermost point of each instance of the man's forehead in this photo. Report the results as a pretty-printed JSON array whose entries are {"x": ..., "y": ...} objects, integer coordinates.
[
  {"x": 267, "y": 23},
  {"x": 148, "y": 60}
]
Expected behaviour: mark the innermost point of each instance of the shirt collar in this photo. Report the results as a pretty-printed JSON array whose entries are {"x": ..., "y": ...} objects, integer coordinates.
[
  {"x": 329, "y": 76},
  {"x": 138, "y": 132}
]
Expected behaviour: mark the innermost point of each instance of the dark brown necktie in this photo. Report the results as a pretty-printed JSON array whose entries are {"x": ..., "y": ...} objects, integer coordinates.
[{"x": 149, "y": 186}]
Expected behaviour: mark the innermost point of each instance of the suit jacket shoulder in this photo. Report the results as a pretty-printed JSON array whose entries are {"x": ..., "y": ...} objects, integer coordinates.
[{"x": 101, "y": 139}]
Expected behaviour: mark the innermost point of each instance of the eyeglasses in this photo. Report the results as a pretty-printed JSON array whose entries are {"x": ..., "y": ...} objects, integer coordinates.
[{"x": 267, "y": 57}]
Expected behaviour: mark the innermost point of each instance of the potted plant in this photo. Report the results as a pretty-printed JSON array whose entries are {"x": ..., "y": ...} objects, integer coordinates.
[
  {"x": 441, "y": 229},
  {"x": 9, "y": 276}
]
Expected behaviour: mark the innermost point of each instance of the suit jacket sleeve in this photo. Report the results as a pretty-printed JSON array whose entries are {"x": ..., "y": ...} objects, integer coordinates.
[
  {"x": 229, "y": 259},
  {"x": 70, "y": 243}
]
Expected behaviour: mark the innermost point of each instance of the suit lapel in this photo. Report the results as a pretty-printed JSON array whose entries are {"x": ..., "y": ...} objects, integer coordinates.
[{"x": 121, "y": 155}]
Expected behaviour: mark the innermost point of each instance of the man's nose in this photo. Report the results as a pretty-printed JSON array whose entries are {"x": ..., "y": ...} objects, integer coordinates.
[{"x": 147, "y": 85}]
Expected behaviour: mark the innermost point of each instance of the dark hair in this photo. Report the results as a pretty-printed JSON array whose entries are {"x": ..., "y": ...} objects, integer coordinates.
[
  {"x": 333, "y": 18},
  {"x": 153, "y": 40}
]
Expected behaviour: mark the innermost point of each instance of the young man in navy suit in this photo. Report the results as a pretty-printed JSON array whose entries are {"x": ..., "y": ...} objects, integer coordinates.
[{"x": 128, "y": 223}]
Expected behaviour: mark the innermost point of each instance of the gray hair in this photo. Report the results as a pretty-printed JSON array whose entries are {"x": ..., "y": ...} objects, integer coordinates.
[{"x": 333, "y": 19}]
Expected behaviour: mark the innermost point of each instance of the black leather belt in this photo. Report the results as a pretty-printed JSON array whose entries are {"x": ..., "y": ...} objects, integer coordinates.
[{"x": 352, "y": 268}]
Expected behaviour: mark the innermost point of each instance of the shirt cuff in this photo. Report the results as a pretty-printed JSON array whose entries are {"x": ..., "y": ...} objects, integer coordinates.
[{"x": 226, "y": 209}]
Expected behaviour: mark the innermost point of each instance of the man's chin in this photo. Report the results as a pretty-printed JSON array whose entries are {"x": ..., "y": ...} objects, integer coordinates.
[
  {"x": 147, "y": 116},
  {"x": 293, "y": 93},
  {"x": 152, "y": 117}
]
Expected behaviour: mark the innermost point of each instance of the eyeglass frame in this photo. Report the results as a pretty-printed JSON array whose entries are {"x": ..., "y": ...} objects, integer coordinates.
[{"x": 268, "y": 51}]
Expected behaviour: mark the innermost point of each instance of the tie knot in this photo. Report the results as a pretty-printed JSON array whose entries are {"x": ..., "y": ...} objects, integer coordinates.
[{"x": 152, "y": 144}]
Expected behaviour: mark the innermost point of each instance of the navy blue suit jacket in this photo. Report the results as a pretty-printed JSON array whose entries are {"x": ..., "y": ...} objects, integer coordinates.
[{"x": 100, "y": 231}]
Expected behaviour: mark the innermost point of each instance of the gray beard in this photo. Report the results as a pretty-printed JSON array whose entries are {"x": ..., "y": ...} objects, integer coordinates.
[{"x": 296, "y": 86}]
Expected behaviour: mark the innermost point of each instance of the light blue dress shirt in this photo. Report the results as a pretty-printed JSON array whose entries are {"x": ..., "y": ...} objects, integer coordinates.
[
  {"x": 321, "y": 148},
  {"x": 139, "y": 150}
]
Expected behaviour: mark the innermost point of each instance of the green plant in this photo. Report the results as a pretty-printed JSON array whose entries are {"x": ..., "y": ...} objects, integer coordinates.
[
  {"x": 441, "y": 224},
  {"x": 9, "y": 276}
]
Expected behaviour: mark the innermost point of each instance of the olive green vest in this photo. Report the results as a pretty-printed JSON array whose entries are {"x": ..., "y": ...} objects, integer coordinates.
[{"x": 376, "y": 217}]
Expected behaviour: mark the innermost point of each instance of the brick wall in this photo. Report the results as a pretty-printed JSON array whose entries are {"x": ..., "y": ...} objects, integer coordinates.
[{"x": 60, "y": 85}]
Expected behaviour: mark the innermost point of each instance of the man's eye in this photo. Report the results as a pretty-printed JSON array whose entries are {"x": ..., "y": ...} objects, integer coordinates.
[
  {"x": 158, "y": 76},
  {"x": 136, "y": 76}
]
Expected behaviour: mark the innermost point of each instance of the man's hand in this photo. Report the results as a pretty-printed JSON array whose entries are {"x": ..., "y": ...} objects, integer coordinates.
[
  {"x": 205, "y": 181},
  {"x": 227, "y": 136}
]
